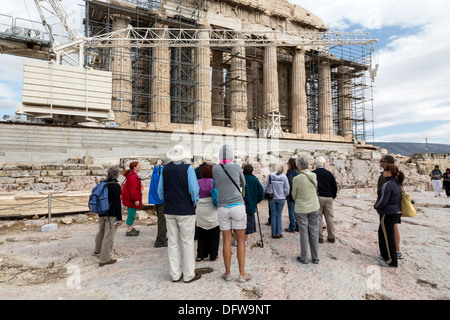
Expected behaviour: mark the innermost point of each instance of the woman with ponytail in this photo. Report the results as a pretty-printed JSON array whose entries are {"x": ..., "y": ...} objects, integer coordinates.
[
  {"x": 132, "y": 195},
  {"x": 387, "y": 206}
]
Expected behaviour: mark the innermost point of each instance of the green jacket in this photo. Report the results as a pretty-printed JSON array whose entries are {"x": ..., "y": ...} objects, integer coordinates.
[
  {"x": 304, "y": 192},
  {"x": 254, "y": 193}
]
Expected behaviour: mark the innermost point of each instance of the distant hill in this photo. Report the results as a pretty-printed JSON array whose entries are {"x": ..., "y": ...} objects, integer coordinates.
[{"x": 408, "y": 148}]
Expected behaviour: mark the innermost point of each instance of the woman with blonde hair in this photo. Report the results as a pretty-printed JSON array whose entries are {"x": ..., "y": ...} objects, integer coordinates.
[
  {"x": 280, "y": 187},
  {"x": 132, "y": 195}
]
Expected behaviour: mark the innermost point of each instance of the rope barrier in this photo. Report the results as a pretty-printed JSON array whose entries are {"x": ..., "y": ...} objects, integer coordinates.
[
  {"x": 26, "y": 204},
  {"x": 77, "y": 204}
]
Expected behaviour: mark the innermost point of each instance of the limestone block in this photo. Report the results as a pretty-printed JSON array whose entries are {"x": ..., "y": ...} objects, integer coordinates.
[
  {"x": 49, "y": 227},
  {"x": 67, "y": 173},
  {"x": 4, "y": 173},
  {"x": 51, "y": 173},
  {"x": 25, "y": 180},
  {"x": 24, "y": 174},
  {"x": 7, "y": 180}
]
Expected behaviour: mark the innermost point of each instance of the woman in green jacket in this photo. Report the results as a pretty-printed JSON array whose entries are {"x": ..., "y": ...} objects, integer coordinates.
[{"x": 307, "y": 207}]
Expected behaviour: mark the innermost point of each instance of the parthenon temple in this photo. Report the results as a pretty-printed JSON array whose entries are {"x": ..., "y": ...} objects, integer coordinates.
[{"x": 311, "y": 91}]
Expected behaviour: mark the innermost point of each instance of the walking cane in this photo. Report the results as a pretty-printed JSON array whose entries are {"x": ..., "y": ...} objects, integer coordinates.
[{"x": 259, "y": 224}]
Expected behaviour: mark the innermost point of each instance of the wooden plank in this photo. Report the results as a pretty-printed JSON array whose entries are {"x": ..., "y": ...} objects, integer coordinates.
[
  {"x": 64, "y": 103},
  {"x": 55, "y": 96},
  {"x": 75, "y": 85},
  {"x": 28, "y": 88},
  {"x": 71, "y": 112},
  {"x": 46, "y": 65},
  {"x": 61, "y": 73}
]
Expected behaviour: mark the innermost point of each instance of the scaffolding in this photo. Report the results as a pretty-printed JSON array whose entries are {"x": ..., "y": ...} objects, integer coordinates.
[{"x": 236, "y": 73}]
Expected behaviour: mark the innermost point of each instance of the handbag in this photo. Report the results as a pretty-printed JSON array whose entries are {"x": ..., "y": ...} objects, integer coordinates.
[
  {"x": 406, "y": 205},
  {"x": 269, "y": 191},
  {"x": 214, "y": 194}
]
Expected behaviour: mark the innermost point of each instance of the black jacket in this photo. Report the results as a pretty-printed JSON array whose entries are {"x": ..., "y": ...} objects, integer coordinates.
[
  {"x": 114, "y": 193},
  {"x": 389, "y": 195},
  {"x": 326, "y": 182}
]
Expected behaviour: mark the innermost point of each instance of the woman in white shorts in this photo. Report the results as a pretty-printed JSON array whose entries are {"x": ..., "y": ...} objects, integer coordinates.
[{"x": 229, "y": 178}]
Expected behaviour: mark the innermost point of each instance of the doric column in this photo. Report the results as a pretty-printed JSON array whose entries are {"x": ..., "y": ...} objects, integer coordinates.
[
  {"x": 121, "y": 73},
  {"x": 325, "y": 102},
  {"x": 270, "y": 80},
  {"x": 203, "y": 79},
  {"x": 299, "y": 103},
  {"x": 217, "y": 88},
  {"x": 160, "y": 86},
  {"x": 238, "y": 74},
  {"x": 345, "y": 103}
]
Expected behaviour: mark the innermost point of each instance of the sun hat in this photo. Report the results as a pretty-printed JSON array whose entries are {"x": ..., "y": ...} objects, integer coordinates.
[{"x": 178, "y": 153}]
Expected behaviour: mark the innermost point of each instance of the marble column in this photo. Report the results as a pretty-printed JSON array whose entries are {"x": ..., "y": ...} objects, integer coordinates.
[
  {"x": 217, "y": 88},
  {"x": 238, "y": 75},
  {"x": 270, "y": 70},
  {"x": 203, "y": 79},
  {"x": 299, "y": 105},
  {"x": 121, "y": 73},
  {"x": 160, "y": 86},
  {"x": 325, "y": 102},
  {"x": 345, "y": 103}
]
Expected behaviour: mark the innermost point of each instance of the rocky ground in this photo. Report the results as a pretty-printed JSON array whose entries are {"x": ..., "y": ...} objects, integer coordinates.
[{"x": 60, "y": 264}]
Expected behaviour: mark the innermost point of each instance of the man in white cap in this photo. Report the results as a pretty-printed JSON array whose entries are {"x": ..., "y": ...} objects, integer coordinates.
[{"x": 178, "y": 188}]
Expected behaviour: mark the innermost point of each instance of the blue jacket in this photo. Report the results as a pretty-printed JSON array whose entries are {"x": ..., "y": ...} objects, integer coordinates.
[
  {"x": 389, "y": 195},
  {"x": 153, "y": 197}
]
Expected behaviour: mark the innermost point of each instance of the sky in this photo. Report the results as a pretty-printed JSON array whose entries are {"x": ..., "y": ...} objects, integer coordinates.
[{"x": 412, "y": 87}]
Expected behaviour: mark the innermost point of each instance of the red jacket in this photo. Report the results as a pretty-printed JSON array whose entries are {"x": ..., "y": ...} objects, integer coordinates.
[{"x": 132, "y": 191}]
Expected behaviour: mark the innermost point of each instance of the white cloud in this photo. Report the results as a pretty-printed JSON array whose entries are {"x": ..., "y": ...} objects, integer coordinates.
[
  {"x": 438, "y": 134},
  {"x": 414, "y": 70}
]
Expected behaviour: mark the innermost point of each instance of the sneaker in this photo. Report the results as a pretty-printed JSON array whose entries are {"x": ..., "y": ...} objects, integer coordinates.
[
  {"x": 226, "y": 277},
  {"x": 246, "y": 243},
  {"x": 132, "y": 233},
  {"x": 316, "y": 261},
  {"x": 399, "y": 255},
  {"x": 384, "y": 264},
  {"x": 234, "y": 243},
  {"x": 247, "y": 277}
]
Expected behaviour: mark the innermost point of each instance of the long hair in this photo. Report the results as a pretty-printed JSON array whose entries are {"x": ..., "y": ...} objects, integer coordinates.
[
  {"x": 292, "y": 165},
  {"x": 131, "y": 166},
  {"x": 207, "y": 171},
  {"x": 399, "y": 176}
]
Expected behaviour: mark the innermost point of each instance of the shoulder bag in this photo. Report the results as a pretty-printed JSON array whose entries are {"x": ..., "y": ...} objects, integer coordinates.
[
  {"x": 406, "y": 205},
  {"x": 269, "y": 191},
  {"x": 234, "y": 182}
]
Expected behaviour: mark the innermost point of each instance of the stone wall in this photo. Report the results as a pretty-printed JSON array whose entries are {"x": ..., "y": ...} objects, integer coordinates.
[{"x": 361, "y": 169}]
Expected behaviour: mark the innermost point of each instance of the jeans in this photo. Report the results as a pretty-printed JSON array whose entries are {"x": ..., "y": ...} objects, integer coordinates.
[
  {"x": 276, "y": 207},
  {"x": 292, "y": 222}
]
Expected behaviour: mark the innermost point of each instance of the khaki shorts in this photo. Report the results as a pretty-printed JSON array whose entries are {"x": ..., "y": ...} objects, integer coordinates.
[{"x": 232, "y": 218}]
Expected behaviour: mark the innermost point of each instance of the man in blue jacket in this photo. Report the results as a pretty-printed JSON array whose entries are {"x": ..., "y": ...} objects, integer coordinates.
[
  {"x": 153, "y": 198},
  {"x": 178, "y": 188}
]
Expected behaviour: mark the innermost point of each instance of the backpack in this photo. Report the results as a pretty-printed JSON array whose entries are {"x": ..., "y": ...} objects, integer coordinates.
[{"x": 98, "y": 200}]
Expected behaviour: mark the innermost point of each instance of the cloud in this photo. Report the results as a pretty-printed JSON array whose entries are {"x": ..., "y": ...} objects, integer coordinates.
[
  {"x": 438, "y": 134},
  {"x": 411, "y": 86}
]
